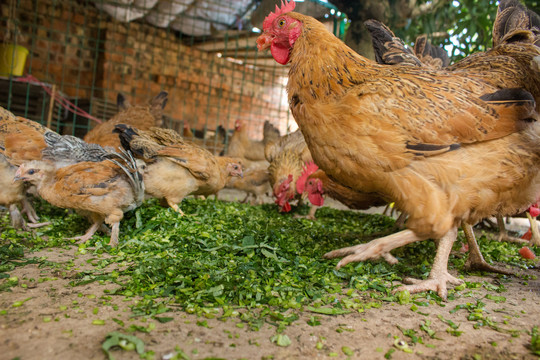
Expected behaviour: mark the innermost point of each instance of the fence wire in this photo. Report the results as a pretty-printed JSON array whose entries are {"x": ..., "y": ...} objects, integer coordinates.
[{"x": 83, "y": 53}]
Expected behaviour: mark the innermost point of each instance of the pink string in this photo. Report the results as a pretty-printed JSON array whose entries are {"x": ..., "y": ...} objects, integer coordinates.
[{"x": 65, "y": 103}]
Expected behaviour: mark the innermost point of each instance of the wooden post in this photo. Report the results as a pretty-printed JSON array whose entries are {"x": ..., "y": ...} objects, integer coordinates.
[{"x": 51, "y": 106}]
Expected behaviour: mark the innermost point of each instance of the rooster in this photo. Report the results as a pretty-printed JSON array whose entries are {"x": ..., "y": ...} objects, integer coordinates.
[
  {"x": 294, "y": 175},
  {"x": 289, "y": 158},
  {"x": 415, "y": 135}
]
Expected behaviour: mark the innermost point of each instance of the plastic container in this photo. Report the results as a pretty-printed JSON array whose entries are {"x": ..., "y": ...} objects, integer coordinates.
[{"x": 12, "y": 59}]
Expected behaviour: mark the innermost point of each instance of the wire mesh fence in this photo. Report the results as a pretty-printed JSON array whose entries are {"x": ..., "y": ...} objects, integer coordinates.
[{"x": 83, "y": 53}]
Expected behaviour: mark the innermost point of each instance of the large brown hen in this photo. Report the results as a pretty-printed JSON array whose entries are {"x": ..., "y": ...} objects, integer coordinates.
[
  {"x": 447, "y": 146},
  {"x": 391, "y": 50}
]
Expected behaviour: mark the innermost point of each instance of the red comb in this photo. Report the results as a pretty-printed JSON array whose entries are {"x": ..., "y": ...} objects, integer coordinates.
[
  {"x": 308, "y": 169},
  {"x": 285, "y": 8}
]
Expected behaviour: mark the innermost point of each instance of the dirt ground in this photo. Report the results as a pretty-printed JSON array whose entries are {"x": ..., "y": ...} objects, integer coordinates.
[{"x": 59, "y": 321}]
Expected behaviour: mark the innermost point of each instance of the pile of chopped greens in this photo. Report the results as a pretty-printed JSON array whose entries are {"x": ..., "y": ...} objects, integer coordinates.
[{"x": 234, "y": 259}]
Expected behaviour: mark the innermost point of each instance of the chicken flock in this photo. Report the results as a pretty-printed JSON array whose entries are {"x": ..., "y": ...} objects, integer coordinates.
[{"x": 449, "y": 145}]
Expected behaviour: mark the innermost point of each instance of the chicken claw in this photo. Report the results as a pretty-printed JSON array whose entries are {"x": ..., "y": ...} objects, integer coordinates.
[
  {"x": 439, "y": 276},
  {"x": 175, "y": 207},
  {"x": 38, "y": 225},
  {"x": 374, "y": 249},
  {"x": 436, "y": 283},
  {"x": 476, "y": 260},
  {"x": 30, "y": 211},
  {"x": 89, "y": 233}
]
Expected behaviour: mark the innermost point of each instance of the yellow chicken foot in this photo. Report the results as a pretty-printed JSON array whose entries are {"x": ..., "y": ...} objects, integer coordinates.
[
  {"x": 30, "y": 211},
  {"x": 476, "y": 260},
  {"x": 89, "y": 233},
  {"x": 374, "y": 249},
  {"x": 32, "y": 216},
  {"x": 535, "y": 236},
  {"x": 503, "y": 233},
  {"x": 175, "y": 207},
  {"x": 37, "y": 225},
  {"x": 439, "y": 276},
  {"x": 115, "y": 232}
]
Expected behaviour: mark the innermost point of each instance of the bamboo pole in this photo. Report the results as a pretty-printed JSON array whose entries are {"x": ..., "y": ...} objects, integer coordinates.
[{"x": 51, "y": 106}]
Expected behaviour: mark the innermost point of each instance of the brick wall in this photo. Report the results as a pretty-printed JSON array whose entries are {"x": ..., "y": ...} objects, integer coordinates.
[
  {"x": 88, "y": 54},
  {"x": 62, "y": 43}
]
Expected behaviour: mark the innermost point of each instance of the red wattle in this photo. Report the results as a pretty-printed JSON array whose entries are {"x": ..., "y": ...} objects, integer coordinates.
[
  {"x": 280, "y": 53},
  {"x": 286, "y": 207},
  {"x": 316, "y": 199}
]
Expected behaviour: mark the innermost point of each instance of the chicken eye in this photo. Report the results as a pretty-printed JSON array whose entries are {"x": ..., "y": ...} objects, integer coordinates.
[{"x": 281, "y": 23}]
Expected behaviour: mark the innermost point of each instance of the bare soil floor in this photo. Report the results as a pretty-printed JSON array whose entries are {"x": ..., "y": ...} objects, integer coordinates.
[{"x": 55, "y": 320}]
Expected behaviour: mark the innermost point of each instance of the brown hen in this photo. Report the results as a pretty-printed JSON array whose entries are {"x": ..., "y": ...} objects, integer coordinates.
[
  {"x": 176, "y": 168},
  {"x": 101, "y": 191},
  {"x": 415, "y": 135}
]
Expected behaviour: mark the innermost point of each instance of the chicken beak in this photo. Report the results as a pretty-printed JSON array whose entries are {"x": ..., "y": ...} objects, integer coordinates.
[
  {"x": 264, "y": 41},
  {"x": 18, "y": 176}
]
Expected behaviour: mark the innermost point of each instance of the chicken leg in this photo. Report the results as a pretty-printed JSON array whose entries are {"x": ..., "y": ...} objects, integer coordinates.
[
  {"x": 439, "y": 276},
  {"x": 89, "y": 233},
  {"x": 476, "y": 260},
  {"x": 503, "y": 233},
  {"x": 29, "y": 210},
  {"x": 374, "y": 249},
  {"x": 17, "y": 220},
  {"x": 535, "y": 236},
  {"x": 115, "y": 232},
  {"x": 175, "y": 207}
]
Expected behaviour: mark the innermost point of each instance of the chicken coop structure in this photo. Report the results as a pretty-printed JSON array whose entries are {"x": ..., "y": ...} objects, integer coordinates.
[{"x": 81, "y": 54}]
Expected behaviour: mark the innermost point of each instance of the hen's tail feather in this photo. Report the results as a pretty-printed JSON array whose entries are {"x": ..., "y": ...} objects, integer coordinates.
[
  {"x": 70, "y": 149},
  {"x": 128, "y": 164},
  {"x": 428, "y": 54},
  {"x": 126, "y": 134},
  {"x": 143, "y": 144},
  {"x": 389, "y": 49},
  {"x": 513, "y": 16},
  {"x": 270, "y": 133}
]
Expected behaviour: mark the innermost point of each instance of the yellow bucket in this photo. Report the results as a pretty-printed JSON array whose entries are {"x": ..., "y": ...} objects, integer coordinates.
[{"x": 12, "y": 59}]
